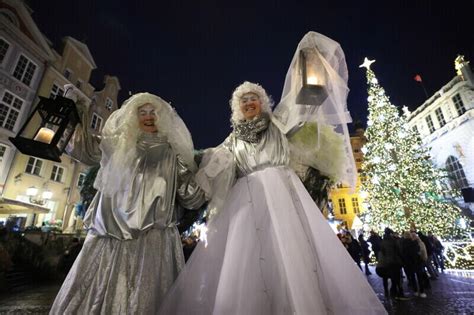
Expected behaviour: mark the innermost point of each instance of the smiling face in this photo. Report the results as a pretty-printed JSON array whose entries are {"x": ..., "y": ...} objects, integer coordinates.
[
  {"x": 146, "y": 118},
  {"x": 250, "y": 105}
]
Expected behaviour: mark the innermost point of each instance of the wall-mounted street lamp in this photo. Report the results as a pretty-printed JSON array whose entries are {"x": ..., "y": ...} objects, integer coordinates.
[
  {"x": 48, "y": 129},
  {"x": 314, "y": 78},
  {"x": 32, "y": 193}
]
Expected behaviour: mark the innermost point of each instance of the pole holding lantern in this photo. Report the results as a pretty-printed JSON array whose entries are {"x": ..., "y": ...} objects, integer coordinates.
[{"x": 49, "y": 128}]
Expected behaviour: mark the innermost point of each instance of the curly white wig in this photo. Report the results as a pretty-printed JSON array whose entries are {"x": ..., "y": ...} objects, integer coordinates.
[
  {"x": 244, "y": 88},
  {"x": 120, "y": 135}
]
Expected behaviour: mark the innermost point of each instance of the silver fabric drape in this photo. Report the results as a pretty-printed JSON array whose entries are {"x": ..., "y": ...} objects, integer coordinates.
[{"x": 271, "y": 150}]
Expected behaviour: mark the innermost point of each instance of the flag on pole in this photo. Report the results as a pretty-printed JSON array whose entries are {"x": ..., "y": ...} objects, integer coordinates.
[{"x": 417, "y": 78}]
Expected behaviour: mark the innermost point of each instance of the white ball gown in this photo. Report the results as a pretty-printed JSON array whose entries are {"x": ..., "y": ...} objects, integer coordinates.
[{"x": 269, "y": 250}]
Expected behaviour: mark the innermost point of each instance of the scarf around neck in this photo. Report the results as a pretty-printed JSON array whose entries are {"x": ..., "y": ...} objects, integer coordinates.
[{"x": 251, "y": 130}]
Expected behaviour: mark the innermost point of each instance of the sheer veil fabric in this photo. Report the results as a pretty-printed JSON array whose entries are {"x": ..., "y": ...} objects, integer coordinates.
[{"x": 333, "y": 111}]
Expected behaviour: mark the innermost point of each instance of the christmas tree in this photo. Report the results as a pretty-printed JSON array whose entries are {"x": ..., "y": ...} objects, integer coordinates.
[{"x": 404, "y": 188}]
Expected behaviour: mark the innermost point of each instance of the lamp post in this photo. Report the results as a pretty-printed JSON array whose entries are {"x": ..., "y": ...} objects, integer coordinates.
[
  {"x": 48, "y": 129},
  {"x": 314, "y": 78}
]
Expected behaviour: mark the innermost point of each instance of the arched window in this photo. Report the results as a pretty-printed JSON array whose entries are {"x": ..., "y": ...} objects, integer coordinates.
[
  {"x": 10, "y": 16},
  {"x": 457, "y": 178}
]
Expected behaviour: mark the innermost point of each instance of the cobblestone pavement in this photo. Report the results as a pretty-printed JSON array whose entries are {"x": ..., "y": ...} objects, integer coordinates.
[
  {"x": 450, "y": 294},
  {"x": 35, "y": 300}
]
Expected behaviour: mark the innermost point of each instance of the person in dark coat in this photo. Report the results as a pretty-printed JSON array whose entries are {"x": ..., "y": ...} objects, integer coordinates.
[
  {"x": 365, "y": 253},
  {"x": 438, "y": 252},
  {"x": 353, "y": 248},
  {"x": 429, "y": 250},
  {"x": 393, "y": 262},
  {"x": 375, "y": 240},
  {"x": 410, "y": 258}
]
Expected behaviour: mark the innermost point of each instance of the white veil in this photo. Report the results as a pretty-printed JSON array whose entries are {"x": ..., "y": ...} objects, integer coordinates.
[
  {"x": 120, "y": 135},
  {"x": 333, "y": 111}
]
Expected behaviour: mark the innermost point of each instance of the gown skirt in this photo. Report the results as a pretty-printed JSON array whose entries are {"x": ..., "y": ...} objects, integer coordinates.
[
  {"x": 112, "y": 276},
  {"x": 270, "y": 251}
]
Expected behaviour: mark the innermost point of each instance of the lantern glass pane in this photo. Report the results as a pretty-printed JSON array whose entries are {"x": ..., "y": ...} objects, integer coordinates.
[
  {"x": 315, "y": 71},
  {"x": 67, "y": 134}
]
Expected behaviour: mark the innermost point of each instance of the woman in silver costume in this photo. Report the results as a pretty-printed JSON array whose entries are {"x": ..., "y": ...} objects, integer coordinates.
[
  {"x": 133, "y": 253},
  {"x": 269, "y": 249}
]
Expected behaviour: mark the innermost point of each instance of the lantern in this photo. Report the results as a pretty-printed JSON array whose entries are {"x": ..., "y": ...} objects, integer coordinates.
[
  {"x": 49, "y": 128},
  {"x": 314, "y": 78}
]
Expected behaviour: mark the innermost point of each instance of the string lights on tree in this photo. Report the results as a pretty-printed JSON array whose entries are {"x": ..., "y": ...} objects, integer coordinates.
[{"x": 404, "y": 189}]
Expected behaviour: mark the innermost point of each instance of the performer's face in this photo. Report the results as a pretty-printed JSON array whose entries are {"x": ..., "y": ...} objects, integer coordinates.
[
  {"x": 147, "y": 118},
  {"x": 250, "y": 105}
]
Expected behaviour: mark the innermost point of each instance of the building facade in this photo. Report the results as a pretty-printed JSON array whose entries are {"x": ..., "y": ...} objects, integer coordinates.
[
  {"x": 24, "y": 54},
  {"x": 346, "y": 202},
  {"x": 62, "y": 181},
  {"x": 445, "y": 123}
]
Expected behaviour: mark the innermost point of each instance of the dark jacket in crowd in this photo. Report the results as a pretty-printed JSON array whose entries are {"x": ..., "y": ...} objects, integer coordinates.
[
  {"x": 410, "y": 253},
  {"x": 376, "y": 242},
  {"x": 426, "y": 241},
  {"x": 364, "y": 247},
  {"x": 354, "y": 249},
  {"x": 391, "y": 251}
]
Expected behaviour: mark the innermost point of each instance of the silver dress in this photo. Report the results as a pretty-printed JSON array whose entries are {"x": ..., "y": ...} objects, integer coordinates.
[
  {"x": 271, "y": 150},
  {"x": 133, "y": 252}
]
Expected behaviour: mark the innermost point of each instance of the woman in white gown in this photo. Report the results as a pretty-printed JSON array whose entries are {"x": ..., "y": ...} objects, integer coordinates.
[{"x": 269, "y": 249}]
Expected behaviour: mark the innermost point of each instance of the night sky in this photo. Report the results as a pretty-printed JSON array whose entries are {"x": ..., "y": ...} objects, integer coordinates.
[{"x": 194, "y": 53}]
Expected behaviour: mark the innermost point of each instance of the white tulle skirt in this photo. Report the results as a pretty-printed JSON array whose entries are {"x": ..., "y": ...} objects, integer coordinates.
[{"x": 270, "y": 251}]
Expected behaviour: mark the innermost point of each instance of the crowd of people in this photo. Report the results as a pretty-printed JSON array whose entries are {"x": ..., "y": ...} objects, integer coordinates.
[{"x": 413, "y": 256}]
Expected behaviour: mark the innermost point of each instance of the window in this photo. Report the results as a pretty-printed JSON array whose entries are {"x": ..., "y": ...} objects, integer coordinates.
[
  {"x": 96, "y": 122},
  {"x": 355, "y": 205},
  {"x": 79, "y": 84},
  {"x": 81, "y": 179},
  {"x": 10, "y": 16},
  {"x": 67, "y": 74},
  {"x": 55, "y": 91},
  {"x": 3, "y": 49},
  {"x": 357, "y": 150},
  {"x": 34, "y": 166},
  {"x": 109, "y": 104},
  {"x": 3, "y": 150},
  {"x": 458, "y": 103},
  {"x": 415, "y": 130},
  {"x": 24, "y": 70},
  {"x": 456, "y": 175},
  {"x": 358, "y": 160},
  {"x": 342, "y": 205},
  {"x": 429, "y": 122},
  {"x": 10, "y": 108},
  {"x": 57, "y": 173},
  {"x": 440, "y": 116}
]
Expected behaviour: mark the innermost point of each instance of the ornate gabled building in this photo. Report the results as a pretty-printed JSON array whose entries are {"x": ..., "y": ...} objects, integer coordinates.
[
  {"x": 62, "y": 180},
  {"x": 24, "y": 55},
  {"x": 445, "y": 122}
]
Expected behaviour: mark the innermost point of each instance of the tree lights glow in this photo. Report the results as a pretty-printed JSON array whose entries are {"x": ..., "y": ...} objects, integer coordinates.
[{"x": 403, "y": 186}]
